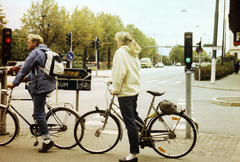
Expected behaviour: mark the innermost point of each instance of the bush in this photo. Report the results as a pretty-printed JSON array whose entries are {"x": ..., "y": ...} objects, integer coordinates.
[{"x": 221, "y": 71}]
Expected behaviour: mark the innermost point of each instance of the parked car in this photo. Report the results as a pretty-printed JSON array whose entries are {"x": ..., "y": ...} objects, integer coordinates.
[
  {"x": 13, "y": 67},
  {"x": 193, "y": 67},
  {"x": 159, "y": 65},
  {"x": 178, "y": 64},
  {"x": 146, "y": 63}
]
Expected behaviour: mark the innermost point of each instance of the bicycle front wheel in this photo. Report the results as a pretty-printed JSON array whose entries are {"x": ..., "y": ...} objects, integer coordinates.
[
  {"x": 172, "y": 136},
  {"x": 61, "y": 121},
  {"x": 8, "y": 127},
  {"x": 93, "y": 136}
]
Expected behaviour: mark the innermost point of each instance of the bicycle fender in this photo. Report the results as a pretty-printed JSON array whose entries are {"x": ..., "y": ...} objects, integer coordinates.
[{"x": 48, "y": 113}]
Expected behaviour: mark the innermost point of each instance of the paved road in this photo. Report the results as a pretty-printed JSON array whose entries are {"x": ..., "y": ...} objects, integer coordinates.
[{"x": 209, "y": 147}]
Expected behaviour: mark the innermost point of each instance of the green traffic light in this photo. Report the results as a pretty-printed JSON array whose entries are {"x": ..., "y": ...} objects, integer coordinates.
[{"x": 188, "y": 60}]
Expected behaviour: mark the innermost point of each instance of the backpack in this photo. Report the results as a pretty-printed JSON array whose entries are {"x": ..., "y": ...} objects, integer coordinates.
[{"x": 53, "y": 65}]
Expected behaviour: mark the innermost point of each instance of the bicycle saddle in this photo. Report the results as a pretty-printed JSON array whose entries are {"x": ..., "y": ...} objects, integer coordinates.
[{"x": 154, "y": 93}]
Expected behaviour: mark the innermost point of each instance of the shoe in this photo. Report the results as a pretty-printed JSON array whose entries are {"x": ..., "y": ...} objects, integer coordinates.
[
  {"x": 132, "y": 160},
  {"x": 46, "y": 147}
]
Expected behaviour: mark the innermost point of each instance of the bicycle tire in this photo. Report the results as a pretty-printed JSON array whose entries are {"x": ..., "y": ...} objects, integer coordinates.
[
  {"x": 8, "y": 133},
  {"x": 92, "y": 141},
  {"x": 174, "y": 144},
  {"x": 63, "y": 121}
]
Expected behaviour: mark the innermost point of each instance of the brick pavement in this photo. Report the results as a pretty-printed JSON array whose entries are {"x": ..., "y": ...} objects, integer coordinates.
[{"x": 218, "y": 146}]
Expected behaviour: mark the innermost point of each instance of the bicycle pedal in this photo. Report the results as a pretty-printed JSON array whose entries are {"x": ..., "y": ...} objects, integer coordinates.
[
  {"x": 52, "y": 125},
  {"x": 145, "y": 143},
  {"x": 35, "y": 143}
]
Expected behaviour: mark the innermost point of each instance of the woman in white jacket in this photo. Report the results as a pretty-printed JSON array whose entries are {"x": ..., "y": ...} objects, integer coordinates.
[{"x": 125, "y": 79}]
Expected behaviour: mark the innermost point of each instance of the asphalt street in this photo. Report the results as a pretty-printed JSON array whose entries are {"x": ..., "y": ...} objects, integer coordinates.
[{"x": 210, "y": 146}]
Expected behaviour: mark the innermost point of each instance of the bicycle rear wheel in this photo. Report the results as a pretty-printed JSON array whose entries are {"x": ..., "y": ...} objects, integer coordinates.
[
  {"x": 62, "y": 121},
  {"x": 93, "y": 137},
  {"x": 172, "y": 136},
  {"x": 8, "y": 127}
]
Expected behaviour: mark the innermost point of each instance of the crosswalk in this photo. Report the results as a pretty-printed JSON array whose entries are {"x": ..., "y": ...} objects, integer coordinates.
[
  {"x": 182, "y": 103},
  {"x": 144, "y": 82}
]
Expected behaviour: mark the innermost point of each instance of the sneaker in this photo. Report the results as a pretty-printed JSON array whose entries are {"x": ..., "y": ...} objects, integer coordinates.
[{"x": 46, "y": 147}]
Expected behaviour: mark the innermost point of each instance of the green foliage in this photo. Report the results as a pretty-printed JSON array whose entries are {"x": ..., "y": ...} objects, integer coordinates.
[
  {"x": 221, "y": 71},
  {"x": 177, "y": 54},
  {"x": 53, "y": 22}
]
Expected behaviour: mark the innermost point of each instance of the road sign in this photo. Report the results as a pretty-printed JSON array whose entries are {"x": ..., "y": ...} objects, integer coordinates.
[
  {"x": 197, "y": 50},
  {"x": 70, "y": 56},
  {"x": 75, "y": 79}
]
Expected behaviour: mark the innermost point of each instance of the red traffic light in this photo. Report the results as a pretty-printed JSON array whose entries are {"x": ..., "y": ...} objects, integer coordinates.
[{"x": 8, "y": 40}]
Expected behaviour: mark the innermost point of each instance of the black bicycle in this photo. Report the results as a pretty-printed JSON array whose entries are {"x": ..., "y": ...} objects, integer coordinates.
[
  {"x": 171, "y": 136},
  {"x": 60, "y": 120}
]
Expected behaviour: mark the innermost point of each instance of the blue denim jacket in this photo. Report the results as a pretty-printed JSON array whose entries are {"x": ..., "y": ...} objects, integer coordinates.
[{"x": 39, "y": 81}]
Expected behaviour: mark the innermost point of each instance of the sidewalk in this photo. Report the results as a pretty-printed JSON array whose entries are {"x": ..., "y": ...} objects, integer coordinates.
[
  {"x": 209, "y": 147},
  {"x": 230, "y": 83}
]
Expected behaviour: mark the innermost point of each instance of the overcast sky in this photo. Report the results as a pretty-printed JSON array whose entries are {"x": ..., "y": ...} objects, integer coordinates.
[{"x": 164, "y": 20}]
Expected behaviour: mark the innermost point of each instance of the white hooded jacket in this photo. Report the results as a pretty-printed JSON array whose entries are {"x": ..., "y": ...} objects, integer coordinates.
[{"x": 125, "y": 72}]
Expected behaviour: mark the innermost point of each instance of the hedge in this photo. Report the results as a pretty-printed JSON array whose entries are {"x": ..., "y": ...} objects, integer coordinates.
[{"x": 221, "y": 71}]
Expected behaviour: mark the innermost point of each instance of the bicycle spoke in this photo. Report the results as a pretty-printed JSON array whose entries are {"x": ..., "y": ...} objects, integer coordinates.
[{"x": 175, "y": 143}]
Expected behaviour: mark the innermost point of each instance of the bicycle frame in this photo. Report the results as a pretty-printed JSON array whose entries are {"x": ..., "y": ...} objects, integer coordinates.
[
  {"x": 13, "y": 109},
  {"x": 146, "y": 120}
]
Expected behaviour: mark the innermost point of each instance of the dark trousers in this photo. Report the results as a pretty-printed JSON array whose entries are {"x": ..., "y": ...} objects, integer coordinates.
[
  {"x": 39, "y": 113},
  {"x": 128, "y": 106}
]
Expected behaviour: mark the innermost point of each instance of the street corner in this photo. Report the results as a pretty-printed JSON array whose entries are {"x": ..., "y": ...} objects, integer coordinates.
[{"x": 226, "y": 101}]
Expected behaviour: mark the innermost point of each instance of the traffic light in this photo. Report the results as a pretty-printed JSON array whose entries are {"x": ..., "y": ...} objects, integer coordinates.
[
  {"x": 188, "y": 49},
  {"x": 69, "y": 38},
  {"x": 92, "y": 44},
  {"x": 98, "y": 43},
  {"x": 199, "y": 45},
  {"x": 6, "y": 45}
]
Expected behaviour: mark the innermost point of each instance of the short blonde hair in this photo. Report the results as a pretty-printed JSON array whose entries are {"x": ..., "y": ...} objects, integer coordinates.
[
  {"x": 128, "y": 40},
  {"x": 36, "y": 38}
]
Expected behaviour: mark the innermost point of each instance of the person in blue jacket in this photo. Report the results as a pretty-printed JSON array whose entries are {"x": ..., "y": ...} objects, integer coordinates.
[{"x": 40, "y": 85}]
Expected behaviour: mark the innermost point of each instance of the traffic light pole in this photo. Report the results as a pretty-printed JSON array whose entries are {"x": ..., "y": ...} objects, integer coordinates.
[
  {"x": 71, "y": 50},
  {"x": 188, "y": 101},
  {"x": 6, "y": 54},
  {"x": 96, "y": 58},
  {"x": 200, "y": 53}
]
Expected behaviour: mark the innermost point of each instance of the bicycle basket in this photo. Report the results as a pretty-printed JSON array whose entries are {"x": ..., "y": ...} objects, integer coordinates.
[{"x": 167, "y": 107}]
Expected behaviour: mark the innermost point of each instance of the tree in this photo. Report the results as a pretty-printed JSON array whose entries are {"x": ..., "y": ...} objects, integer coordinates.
[
  {"x": 143, "y": 41},
  {"x": 177, "y": 54},
  {"x": 111, "y": 24}
]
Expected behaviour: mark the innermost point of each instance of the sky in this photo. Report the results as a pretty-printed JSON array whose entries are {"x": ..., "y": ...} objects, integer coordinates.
[{"x": 164, "y": 20}]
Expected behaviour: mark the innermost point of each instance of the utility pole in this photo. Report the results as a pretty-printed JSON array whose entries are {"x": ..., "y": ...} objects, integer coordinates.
[{"x": 213, "y": 71}]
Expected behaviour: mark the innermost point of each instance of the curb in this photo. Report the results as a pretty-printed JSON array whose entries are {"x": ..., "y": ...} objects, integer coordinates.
[{"x": 226, "y": 101}]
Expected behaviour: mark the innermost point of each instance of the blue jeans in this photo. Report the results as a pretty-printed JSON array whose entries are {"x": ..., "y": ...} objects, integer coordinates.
[
  {"x": 39, "y": 113},
  {"x": 128, "y": 106}
]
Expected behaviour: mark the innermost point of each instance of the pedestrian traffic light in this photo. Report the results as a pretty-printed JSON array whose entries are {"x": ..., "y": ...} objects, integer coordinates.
[
  {"x": 92, "y": 44},
  {"x": 6, "y": 45},
  {"x": 69, "y": 38},
  {"x": 98, "y": 43},
  {"x": 188, "y": 49}
]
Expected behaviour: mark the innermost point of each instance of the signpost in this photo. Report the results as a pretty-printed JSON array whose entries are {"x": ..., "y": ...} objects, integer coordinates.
[
  {"x": 75, "y": 79},
  {"x": 70, "y": 56}
]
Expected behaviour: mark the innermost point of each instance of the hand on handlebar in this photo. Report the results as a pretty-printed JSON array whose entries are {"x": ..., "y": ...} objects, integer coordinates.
[{"x": 10, "y": 85}]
